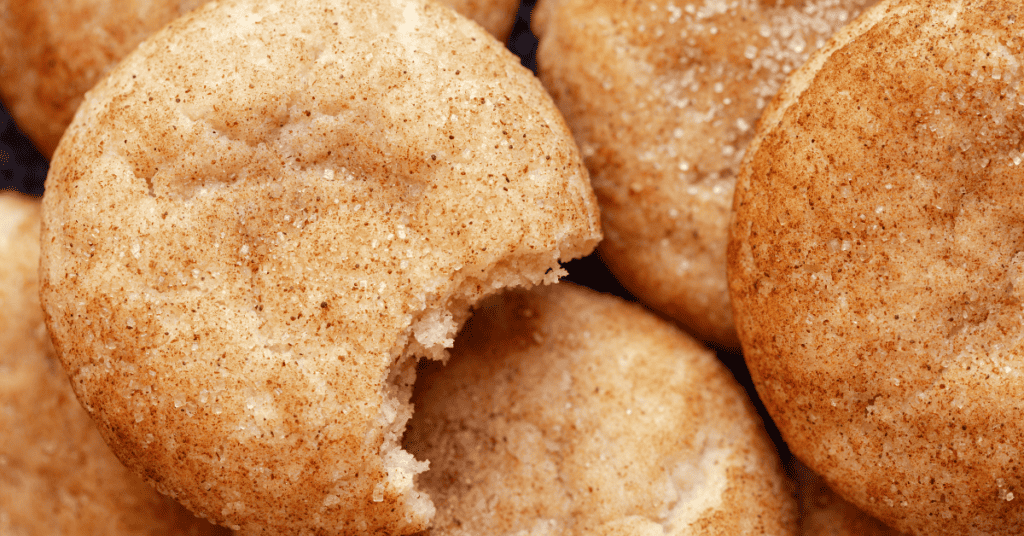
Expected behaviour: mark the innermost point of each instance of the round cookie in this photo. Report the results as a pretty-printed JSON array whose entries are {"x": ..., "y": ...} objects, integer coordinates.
[
  {"x": 53, "y": 51},
  {"x": 663, "y": 98},
  {"x": 875, "y": 267},
  {"x": 59, "y": 478},
  {"x": 564, "y": 411},
  {"x": 259, "y": 220}
]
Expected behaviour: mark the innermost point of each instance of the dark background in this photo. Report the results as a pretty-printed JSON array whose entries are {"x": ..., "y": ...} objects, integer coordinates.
[{"x": 23, "y": 169}]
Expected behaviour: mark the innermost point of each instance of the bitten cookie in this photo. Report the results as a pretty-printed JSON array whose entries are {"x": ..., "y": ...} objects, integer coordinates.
[
  {"x": 259, "y": 220},
  {"x": 875, "y": 265},
  {"x": 58, "y": 477},
  {"x": 563, "y": 411},
  {"x": 663, "y": 98},
  {"x": 53, "y": 51}
]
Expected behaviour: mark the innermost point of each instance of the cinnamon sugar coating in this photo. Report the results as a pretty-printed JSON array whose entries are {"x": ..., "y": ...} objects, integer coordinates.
[
  {"x": 563, "y": 411},
  {"x": 663, "y": 98},
  {"x": 875, "y": 265},
  {"x": 259, "y": 220},
  {"x": 57, "y": 476},
  {"x": 53, "y": 51}
]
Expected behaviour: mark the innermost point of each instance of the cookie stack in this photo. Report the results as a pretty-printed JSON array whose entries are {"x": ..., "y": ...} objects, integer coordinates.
[{"x": 298, "y": 264}]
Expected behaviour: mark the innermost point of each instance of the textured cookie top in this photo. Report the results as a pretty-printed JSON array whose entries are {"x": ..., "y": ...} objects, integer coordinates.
[
  {"x": 267, "y": 205},
  {"x": 663, "y": 98},
  {"x": 875, "y": 265},
  {"x": 53, "y": 51},
  {"x": 563, "y": 411},
  {"x": 59, "y": 478}
]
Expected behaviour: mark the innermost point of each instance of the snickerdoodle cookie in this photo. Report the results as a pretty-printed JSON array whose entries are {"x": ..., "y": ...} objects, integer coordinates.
[
  {"x": 564, "y": 411},
  {"x": 663, "y": 98},
  {"x": 53, "y": 51},
  {"x": 57, "y": 476},
  {"x": 876, "y": 267},
  {"x": 261, "y": 218}
]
